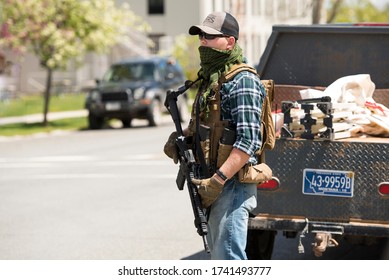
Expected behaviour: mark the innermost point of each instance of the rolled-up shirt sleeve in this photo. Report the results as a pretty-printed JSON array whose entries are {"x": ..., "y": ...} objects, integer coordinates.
[{"x": 242, "y": 100}]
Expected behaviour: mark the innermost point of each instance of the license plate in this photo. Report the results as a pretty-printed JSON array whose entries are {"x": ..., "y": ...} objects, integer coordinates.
[
  {"x": 328, "y": 182},
  {"x": 112, "y": 106}
]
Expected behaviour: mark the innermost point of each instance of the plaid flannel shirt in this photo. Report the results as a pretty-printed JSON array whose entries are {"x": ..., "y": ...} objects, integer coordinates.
[{"x": 241, "y": 104}]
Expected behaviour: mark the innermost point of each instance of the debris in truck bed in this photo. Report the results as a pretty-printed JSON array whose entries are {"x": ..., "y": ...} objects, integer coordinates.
[{"x": 346, "y": 108}]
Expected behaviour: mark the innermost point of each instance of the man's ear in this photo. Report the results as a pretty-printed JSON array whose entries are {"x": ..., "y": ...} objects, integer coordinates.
[{"x": 230, "y": 42}]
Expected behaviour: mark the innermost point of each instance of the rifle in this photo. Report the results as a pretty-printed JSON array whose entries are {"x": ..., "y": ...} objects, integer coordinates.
[{"x": 187, "y": 163}]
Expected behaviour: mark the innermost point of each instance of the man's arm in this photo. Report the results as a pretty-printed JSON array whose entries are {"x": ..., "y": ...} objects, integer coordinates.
[{"x": 235, "y": 161}]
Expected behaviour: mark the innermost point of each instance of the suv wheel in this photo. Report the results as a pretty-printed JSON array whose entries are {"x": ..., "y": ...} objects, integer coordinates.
[
  {"x": 126, "y": 122},
  {"x": 95, "y": 122},
  {"x": 155, "y": 114}
]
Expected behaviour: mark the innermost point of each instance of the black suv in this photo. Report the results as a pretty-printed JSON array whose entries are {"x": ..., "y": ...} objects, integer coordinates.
[{"x": 135, "y": 88}]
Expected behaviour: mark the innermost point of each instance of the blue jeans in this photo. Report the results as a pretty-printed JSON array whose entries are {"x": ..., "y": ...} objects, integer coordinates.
[{"x": 228, "y": 220}]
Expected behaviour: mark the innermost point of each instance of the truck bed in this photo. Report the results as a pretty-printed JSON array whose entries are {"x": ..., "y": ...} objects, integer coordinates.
[{"x": 287, "y": 208}]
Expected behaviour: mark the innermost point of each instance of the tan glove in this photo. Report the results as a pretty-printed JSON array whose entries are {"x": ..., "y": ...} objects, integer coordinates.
[
  {"x": 209, "y": 190},
  {"x": 170, "y": 148}
]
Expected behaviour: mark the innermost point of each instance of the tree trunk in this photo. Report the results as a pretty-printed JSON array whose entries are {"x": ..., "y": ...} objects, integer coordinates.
[
  {"x": 317, "y": 10},
  {"x": 47, "y": 96},
  {"x": 334, "y": 10}
]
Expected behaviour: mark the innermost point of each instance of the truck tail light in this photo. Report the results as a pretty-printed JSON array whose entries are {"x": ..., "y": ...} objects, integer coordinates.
[
  {"x": 270, "y": 185},
  {"x": 383, "y": 188}
]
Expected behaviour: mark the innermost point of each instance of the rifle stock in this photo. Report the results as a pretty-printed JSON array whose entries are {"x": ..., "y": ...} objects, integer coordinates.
[{"x": 187, "y": 166}]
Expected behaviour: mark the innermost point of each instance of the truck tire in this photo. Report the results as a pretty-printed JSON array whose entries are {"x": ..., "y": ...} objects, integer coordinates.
[
  {"x": 155, "y": 114},
  {"x": 260, "y": 244},
  {"x": 95, "y": 122}
]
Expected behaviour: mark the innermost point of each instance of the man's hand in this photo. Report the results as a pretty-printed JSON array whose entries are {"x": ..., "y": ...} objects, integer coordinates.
[
  {"x": 209, "y": 190},
  {"x": 170, "y": 148}
]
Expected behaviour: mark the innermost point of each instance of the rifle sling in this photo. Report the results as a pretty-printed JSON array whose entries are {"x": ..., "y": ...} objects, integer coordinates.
[{"x": 199, "y": 151}]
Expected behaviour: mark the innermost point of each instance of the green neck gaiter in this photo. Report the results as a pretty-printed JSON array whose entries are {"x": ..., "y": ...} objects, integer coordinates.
[{"x": 213, "y": 64}]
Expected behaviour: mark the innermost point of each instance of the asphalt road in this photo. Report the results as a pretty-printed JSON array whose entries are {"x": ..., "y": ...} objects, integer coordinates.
[{"x": 107, "y": 194}]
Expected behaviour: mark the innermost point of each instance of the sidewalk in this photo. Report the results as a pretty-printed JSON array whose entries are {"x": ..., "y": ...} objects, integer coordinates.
[{"x": 36, "y": 118}]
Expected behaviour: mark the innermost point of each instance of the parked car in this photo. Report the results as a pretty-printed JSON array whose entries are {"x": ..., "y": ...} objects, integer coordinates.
[{"x": 135, "y": 89}]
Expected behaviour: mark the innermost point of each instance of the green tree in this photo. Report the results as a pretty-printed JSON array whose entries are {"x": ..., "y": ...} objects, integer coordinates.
[
  {"x": 360, "y": 11},
  {"x": 58, "y": 31},
  {"x": 350, "y": 11},
  {"x": 185, "y": 50},
  {"x": 333, "y": 10},
  {"x": 353, "y": 11}
]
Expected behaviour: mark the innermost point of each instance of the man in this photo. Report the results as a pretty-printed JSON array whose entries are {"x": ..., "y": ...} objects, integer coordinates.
[{"x": 237, "y": 104}]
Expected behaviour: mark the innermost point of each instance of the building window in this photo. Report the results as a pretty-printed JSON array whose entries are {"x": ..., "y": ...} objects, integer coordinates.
[
  {"x": 156, "y": 7},
  {"x": 154, "y": 49}
]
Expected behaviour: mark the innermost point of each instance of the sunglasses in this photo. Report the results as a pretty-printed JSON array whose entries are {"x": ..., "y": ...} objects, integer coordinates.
[{"x": 211, "y": 36}]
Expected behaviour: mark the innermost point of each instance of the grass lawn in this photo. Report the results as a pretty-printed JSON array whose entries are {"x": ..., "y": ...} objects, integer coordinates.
[
  {"x": 26, "y": 105},
  {"x": 34, "y": 104}
]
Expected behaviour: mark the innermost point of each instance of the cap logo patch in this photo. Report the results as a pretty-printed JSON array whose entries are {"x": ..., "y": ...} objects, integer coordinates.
[{"x": 210, "y": 19}]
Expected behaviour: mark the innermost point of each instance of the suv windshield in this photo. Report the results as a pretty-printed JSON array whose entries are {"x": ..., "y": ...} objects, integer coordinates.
[{"x": 130, "y": 72}]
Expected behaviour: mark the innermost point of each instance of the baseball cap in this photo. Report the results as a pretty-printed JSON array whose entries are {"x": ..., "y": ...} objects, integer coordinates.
[{"x": 217, "y": 23}]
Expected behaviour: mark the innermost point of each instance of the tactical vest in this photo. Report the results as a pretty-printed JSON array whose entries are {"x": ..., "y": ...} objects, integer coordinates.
[{"x": 212, "y": 127}]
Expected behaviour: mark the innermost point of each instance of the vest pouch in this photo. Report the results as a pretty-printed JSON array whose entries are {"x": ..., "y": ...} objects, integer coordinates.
[
  {"x": 223, "y": 152},
  {"x": 225, "y": 145},
  {"x": 255, "y": 173}
]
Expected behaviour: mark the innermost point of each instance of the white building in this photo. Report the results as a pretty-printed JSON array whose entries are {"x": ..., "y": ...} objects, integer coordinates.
[{"x": 167, "y": 18}]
